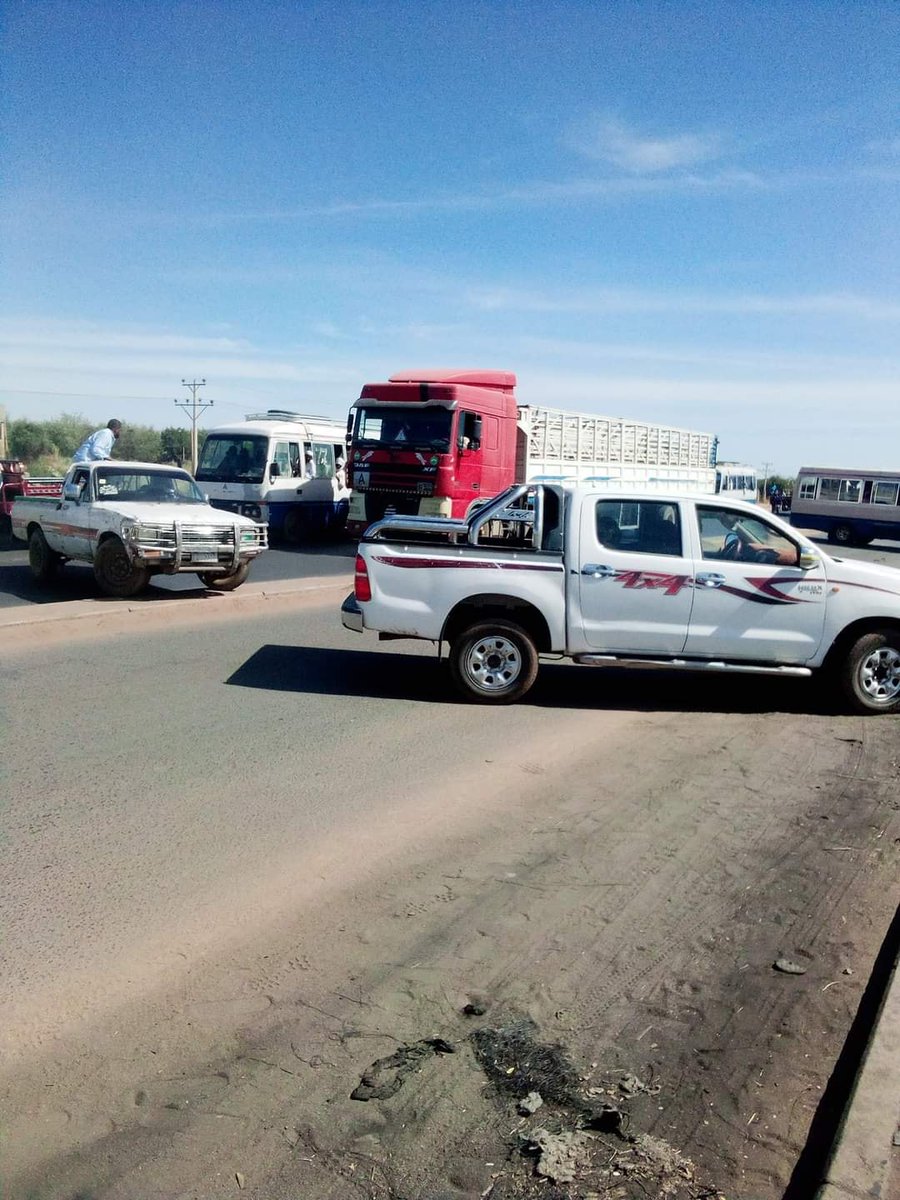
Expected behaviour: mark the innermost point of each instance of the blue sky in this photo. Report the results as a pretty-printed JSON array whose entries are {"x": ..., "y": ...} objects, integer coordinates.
[{"x": 679, "y": 212}]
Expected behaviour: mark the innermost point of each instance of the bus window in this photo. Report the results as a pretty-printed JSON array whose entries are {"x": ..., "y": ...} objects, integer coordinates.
[{"x": 885, "y": 493}]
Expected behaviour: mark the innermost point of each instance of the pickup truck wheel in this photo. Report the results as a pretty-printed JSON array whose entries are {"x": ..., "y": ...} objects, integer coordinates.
[
  {"x": 871, "y": 672},
  {"x": 494, "y": 662},
  {"x": 114, "y": 571},
  {"x": 43, "y": 561},
  {"x": 225, "y": 583}
]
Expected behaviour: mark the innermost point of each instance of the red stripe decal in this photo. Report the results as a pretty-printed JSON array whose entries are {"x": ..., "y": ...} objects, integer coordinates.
[{"x": 417, "y": 564}]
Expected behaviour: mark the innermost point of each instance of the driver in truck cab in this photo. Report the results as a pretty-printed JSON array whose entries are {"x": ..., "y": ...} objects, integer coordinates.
[{"x": 740, "y": 544}]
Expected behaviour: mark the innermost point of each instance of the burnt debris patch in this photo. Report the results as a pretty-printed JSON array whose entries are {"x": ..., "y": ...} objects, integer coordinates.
[
  {"x": 517, "y": 1063},
  {"x": 385, "y": 1076}
]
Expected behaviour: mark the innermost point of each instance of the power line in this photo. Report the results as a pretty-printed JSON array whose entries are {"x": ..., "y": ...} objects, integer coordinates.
[
  {"x": 111, "y": 397},
  {"x": 78, "y": 395}
]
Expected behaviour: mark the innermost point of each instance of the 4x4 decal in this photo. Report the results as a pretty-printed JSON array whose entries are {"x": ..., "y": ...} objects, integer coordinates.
[{"x": 670, "y": 585}]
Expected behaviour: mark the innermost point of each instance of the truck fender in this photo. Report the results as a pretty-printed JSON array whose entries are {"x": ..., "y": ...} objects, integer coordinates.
[{"x": 483, "y": 606}]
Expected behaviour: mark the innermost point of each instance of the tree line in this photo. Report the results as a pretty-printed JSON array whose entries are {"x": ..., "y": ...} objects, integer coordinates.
[{"x": 45, "y": 446}]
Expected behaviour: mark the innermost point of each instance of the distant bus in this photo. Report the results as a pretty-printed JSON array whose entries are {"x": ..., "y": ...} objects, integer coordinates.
[
  {"x": 737, "y": 481},
  {"x": 284, "y": 468},
  {"x": 851, "y": 507}
]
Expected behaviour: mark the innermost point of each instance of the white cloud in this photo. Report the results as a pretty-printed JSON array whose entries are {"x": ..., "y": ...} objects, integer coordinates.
[
  {"x": 608, "y": 139},
  {"x": 606, "y": 301}
]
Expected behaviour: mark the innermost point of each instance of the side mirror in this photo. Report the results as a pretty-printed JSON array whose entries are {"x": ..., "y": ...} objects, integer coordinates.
[
  {"x": 274, "y": 470},
  {"x": 71, "y": 491},
  {"x": 809, "y": 559}
]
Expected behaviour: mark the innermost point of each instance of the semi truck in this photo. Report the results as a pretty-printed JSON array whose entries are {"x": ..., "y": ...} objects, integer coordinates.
[{"x": 440, "y": 443}]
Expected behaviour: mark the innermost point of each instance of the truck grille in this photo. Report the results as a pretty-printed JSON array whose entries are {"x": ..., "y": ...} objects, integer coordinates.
[{"x": 206, "y": 536}]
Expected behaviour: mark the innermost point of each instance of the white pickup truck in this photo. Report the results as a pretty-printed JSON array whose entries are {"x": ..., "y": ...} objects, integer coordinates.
[
  {"x": 622, "y": 579},
  {"x": 133, "y": 520}
]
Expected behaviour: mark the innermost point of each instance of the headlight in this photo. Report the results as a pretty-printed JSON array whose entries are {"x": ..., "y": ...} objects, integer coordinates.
[
  {"x": 251, "y": 510},
  {"x": 249, "y": 537},
  {"x": 155, "y": 534}
]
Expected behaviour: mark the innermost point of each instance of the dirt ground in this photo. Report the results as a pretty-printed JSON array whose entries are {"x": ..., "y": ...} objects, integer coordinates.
[{"x": 574, "y": 996}]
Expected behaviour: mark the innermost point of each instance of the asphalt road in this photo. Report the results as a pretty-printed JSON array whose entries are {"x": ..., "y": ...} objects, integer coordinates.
[
  {"x": 247, "y": 862},
  {"x": 76, "y": 580}
]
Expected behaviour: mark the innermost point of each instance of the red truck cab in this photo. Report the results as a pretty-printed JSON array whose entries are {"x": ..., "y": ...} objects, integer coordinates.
[{"x": 430, "y": 443}]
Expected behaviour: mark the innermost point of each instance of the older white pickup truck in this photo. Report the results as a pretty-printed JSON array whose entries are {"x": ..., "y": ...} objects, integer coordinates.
[
  {"x": 621, "y": 579},
  {"x": 133, "y": 520}
]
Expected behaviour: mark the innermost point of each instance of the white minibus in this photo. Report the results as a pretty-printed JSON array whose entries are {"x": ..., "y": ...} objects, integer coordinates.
[{"x": 284, "y": 468}]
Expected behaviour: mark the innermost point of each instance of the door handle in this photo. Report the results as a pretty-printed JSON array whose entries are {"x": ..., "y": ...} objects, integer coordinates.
[
  {"x": 710, "y": 579},
  {"x": 598, "y": 571}
]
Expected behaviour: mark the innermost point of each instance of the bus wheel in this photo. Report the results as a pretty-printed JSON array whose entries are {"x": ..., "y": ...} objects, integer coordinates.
[
  {"x": 293, "y": 528},
  {"x": 841, "y": 534}
]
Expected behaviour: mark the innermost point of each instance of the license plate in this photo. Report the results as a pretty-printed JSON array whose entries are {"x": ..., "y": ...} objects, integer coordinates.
[{"x": 204, "y": 558}]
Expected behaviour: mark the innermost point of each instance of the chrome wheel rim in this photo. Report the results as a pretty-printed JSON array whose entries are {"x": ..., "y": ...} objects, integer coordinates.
[
  {"x": 494, "y": 663},
  {"x": 879, "y": 675}
]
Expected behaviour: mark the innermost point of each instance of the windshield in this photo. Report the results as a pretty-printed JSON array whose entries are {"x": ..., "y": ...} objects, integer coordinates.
[
  {"x": 170, "y": 487},
  {"x": 233, "y": 458},
  {"x": 404, "y": 428}
]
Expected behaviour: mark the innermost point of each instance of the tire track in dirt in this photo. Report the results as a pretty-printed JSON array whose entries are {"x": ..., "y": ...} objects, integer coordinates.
[{"x": 632, "y": 918}]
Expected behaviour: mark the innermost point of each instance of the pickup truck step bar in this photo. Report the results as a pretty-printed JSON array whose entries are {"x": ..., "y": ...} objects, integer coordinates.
[{"x": 686, "y": 664}]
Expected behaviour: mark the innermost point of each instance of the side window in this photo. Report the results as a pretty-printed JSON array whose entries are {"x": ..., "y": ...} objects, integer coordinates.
[
  {"x": 296, "y": 461},
  {"x": 726, "y": 534},
  {"x": 470, "y": 430},
  {"x": 323, "y": 459},
  {"x": 808, "y": 488},
  {"x": 82, "y": 480},
  {"x": 282, "y": 456},
  {"x": 639, "y": 526},
  {"x": 884, "y": 493},
  {"x": 851, "y": 490}
]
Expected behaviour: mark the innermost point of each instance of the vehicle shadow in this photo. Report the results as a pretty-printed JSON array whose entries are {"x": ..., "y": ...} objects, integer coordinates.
[
  {"x": 76, "y": 582},
  {"x": 420, "y": 679}
]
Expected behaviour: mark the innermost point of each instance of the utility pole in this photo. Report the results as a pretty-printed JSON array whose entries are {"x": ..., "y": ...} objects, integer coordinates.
[
  {"x": 766, "y": 479},
  {"x": 193, "y": 408}
]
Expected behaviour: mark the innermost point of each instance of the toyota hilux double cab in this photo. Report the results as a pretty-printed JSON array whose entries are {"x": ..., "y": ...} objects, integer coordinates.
[{"x": 635, "y": 579}]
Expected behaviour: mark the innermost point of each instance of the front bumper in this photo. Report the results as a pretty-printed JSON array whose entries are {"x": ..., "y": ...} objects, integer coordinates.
[
  {"x": 189, "y": 546},
  {"x": 351, "y": 615}
]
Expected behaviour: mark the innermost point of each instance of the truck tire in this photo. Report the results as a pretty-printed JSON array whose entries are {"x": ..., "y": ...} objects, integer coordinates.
[
  {"x": 870, "y": 673},
  {"x": 493, "y": 662},
  {"x": 114, "y": 571},
  {"x": 225, "y": 583},
  {"x": 43, "y": 561}
]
